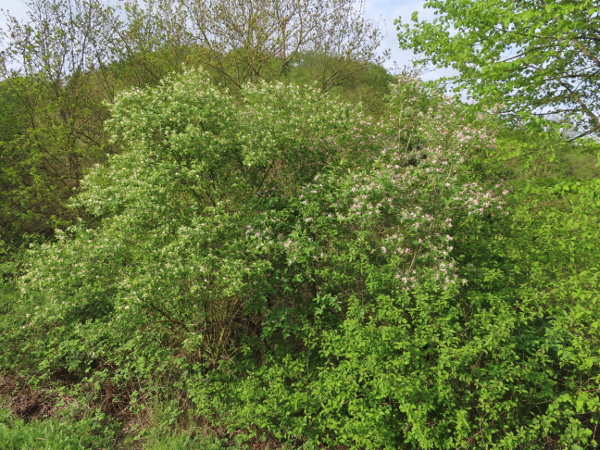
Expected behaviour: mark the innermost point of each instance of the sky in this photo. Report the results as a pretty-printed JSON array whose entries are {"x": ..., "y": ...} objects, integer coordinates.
[{"x": 383, "y": 12}]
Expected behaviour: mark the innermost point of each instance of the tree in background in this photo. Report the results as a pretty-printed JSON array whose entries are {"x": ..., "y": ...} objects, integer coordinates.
[
  {"x": 534, "y": 56},
  {"x": 255, "y": 40},
  {"x": 48, "y": 90}
]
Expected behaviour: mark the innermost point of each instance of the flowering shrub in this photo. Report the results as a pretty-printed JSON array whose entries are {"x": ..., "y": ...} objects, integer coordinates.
[{"x": 295, "y": 267}]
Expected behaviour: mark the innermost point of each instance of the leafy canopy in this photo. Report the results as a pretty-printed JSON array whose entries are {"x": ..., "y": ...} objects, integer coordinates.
[{"x": 533, "y": 56}]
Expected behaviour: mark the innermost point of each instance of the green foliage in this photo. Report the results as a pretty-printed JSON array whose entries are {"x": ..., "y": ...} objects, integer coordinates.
[
  {"x": 284, "y": 267},
  {"x": 531, "y": 56},
  {"x": 189, "y": 440},
  {"x": 352, "y": 81},
  {"x": 52, "y": 434},
  {"x": 56, "y": 133},
  {"x": 70, "y": 56},
  {"x": 273, "y": 264},
  {"x": 199, "y": 173}
]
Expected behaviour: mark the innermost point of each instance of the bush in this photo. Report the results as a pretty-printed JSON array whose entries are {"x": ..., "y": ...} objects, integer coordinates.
[{"x": 285, "y": 265}]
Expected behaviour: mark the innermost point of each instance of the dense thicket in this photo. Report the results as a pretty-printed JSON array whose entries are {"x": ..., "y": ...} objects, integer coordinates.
[
  {"x": 279, "y": 263},
  {"x": 263, "y": 262}
]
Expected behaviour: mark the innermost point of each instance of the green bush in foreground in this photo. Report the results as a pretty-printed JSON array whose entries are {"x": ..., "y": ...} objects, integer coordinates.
[{"x": 281, "y": 264}]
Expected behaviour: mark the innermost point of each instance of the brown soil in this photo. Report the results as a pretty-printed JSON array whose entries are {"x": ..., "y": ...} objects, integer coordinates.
[{"x": 24, "y": 402}]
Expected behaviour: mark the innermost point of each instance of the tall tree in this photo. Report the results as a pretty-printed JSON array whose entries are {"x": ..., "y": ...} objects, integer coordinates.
[
  {"x": 251, "y": 40},
  {"x": 536, "y": 56},
  {"x": 52, "y": 70}
]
